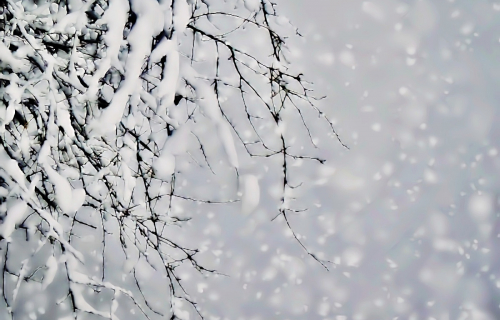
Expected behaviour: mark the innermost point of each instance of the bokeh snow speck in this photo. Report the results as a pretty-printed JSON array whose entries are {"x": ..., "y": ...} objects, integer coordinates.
[{"x": 409, "y": 216}]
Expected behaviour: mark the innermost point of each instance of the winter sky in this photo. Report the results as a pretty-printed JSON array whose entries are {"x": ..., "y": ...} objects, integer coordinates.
[{"x": 409, "y": 215}]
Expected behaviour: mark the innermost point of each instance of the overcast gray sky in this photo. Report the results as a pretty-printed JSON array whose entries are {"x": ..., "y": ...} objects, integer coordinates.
[{"x": 410, "y": 213}]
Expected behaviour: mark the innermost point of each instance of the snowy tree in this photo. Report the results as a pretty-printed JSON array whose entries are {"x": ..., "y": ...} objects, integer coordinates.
[{"x": 117, "y": 117}]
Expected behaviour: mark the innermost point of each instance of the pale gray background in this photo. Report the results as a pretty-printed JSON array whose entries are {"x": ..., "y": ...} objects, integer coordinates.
[{"x": 410, "y": 214}]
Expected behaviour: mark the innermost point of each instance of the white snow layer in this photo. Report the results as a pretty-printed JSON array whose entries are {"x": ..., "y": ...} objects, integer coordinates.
[
  {"x": 16, "y": 213},
  {"x": 224, "y": 130},
  {"x": 149, "y": 23},
  {"x": 252, "y": 5},
  {"x": 115, "y": 18},
  {"x": 168, "y": 85},
  {"x": 8, "y": 59},
  {"x": 250, "y": 193},
  {"x": 50, "y": 273},
  {"x": 129, "y": 182},
  {"x": 67, "y": 199},
  {"x": 77, "y": 19},
  {"x": 12, "y": 168},
  {"x": 181, "y": 15},
  {"x": 164, "y": 166},
  {"x": 15, "y": 91}
]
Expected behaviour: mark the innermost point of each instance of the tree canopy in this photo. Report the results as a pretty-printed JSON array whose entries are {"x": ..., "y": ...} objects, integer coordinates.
[{"x": 116, "y": 116}]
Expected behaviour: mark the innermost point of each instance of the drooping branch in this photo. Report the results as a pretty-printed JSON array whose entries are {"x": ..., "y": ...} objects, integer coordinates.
[{"x": 100, "y": 103}]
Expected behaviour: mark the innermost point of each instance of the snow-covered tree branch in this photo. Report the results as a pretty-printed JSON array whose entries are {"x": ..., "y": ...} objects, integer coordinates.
[{"x": 111, "y": 113}]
